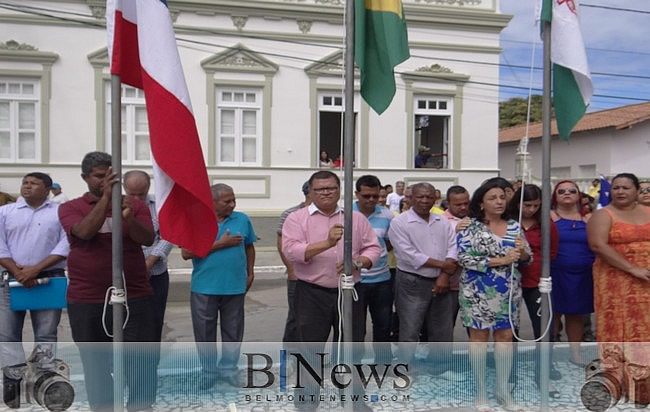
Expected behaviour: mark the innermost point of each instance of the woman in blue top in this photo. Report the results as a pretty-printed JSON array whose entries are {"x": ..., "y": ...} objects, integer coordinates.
[
  {"x": 487, "y": 248},
  {"x": 571, "y": 271}
]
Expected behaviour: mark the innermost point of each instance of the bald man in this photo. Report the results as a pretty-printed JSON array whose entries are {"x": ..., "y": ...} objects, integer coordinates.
[{"x": 137, "y": 183}]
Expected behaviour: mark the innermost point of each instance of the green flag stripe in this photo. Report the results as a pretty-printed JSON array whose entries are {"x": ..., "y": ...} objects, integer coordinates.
[
  {"x": 381, "y": 43},
  {"x": 569, "y": 103},
  {"x": 547, "y": 10}
]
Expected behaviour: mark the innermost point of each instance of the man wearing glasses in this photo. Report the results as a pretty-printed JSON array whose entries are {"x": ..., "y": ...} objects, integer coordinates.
[
  {"x": 644, "y": 193},
  {"x": 311, "y": 241},
  {"x": 375, "y": 288}
]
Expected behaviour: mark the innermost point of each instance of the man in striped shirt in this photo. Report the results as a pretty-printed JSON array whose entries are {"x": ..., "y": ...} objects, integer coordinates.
[
  {"x": 375, "y": 290},
  {"x": 137, "y": 183},
  {"x": 291, "y": 327}
]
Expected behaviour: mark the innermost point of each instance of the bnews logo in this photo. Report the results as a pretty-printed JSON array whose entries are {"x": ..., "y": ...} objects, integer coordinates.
[{"x": 341, "y": 374}]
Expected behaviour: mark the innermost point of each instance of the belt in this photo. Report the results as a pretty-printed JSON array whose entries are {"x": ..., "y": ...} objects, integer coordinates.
[
  {"x": 319, "y": 287},
  {"x": 416, "y": 275},
  {"x": 54, "y": 273}
]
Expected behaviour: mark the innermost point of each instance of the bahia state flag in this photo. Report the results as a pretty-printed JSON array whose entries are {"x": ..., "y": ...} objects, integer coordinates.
[
  {"x": 380, "y": 44},
  {"x": 572, "y": 87},
  {"x": 143, "y": 51}
]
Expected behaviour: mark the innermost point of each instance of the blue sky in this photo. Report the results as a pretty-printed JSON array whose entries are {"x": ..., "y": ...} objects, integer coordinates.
[{"x": 617, "y": 42}]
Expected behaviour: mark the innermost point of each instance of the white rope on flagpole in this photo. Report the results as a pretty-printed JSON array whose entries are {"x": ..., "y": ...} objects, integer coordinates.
[{"x": 545, "y": 283}]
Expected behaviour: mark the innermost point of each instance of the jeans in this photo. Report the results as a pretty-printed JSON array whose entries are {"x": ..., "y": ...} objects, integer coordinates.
[
  {"x": 96, "y": 353},
  {"x": 44, "y": 324},
  {"x": 206, "y": 310},
  {"x": 378, "y": 299}
]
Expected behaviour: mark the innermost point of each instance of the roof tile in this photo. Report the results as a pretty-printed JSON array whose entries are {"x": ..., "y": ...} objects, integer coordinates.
[{"x": 618, "y": 118}]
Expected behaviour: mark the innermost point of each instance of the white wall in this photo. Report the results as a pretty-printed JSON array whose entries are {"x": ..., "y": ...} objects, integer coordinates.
[{"x": 612, "y": 151}]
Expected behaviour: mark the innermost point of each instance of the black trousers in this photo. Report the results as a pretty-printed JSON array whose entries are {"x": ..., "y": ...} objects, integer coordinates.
[
  {"x": 97, "y": 354},
  {"x": 291, "y": 326},
  {"x": 160, "y": 286},
  {"x": 316, "y": 316}
]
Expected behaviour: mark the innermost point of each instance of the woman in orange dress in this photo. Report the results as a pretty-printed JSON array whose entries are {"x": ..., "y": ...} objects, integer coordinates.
[{"x": 619, "y": 234}]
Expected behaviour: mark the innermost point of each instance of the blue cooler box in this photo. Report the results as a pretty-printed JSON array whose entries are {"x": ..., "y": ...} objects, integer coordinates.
[{"x": 50, "y": 295}]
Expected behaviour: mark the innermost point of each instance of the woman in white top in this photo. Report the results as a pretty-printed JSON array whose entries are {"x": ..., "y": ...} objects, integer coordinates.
[{"x": 325, "y": 161}]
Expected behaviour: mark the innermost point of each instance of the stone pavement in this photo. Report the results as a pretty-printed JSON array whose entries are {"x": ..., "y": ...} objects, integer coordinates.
[
  {"x": 266, "y": 310},
  {"x": 179, "y": 374}
]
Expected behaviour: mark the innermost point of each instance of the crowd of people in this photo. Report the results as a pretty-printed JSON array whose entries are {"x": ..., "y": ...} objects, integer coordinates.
[
  {"x": 475, "y": 256},
  {"x": 420, "y": 261}
]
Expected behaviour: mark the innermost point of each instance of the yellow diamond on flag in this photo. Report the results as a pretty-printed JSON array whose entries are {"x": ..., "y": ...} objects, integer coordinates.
[{"x": 394, "y": 6}]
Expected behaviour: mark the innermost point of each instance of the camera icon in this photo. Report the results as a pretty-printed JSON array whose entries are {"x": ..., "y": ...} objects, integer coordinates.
[{"x": 605, "y": 387}]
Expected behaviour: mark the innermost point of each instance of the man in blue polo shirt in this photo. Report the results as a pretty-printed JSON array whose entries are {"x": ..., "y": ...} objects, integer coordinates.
[
  {"x": 219, "y": 285},
  {"x": 375, "y": 290}
]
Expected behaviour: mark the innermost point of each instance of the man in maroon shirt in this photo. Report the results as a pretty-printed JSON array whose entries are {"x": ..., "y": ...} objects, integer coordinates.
[{"x": 87, "y": 222}]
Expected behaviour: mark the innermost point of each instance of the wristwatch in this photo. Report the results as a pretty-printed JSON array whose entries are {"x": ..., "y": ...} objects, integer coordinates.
[{"x": 358, "y": 265}]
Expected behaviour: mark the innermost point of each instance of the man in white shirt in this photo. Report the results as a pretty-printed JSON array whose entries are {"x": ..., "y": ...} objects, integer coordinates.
[
  {"x": 395, "y": 197},
  {"x": 57, "y": 194},
  {"x": 32, "y": 244},
  {"x": 425, "y": 248}
]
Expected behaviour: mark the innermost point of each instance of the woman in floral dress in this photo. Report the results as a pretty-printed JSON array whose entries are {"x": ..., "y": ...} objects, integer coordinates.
[{"x": 487, "y": 248}]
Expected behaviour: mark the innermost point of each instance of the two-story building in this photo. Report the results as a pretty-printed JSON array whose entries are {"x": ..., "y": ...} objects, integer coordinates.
[{"x": 266, "y": 83}]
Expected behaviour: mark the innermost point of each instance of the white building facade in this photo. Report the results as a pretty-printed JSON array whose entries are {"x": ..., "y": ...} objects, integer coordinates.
[{"x": 266, "y": 84}]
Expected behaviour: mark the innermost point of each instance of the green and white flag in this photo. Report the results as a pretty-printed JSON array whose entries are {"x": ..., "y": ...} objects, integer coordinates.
[
  {"x": 380, "y": 44},
  {"x": 572, "y": 87}
]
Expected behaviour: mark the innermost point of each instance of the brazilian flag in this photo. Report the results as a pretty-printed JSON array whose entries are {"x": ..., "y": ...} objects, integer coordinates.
[{"x": 381, "y": 43}]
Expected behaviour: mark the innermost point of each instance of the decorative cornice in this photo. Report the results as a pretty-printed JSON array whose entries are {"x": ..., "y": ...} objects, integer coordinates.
[
  {"x": 472, "y": 48},
  {"x": 14, "y": 45},
  {"x": 239, "y": 58},
  {"x": 332, "y": 2},
  {"x": 331, "y": 11},
  {"x": 417, "y": 14},
  {"x": 434, "y": 73},
  {"x": 14, "y": 51},
  {"x": 434, "y": 68},
  {"x": 97, "y": 8},
  {"x": 99, "y": 58},
  {"x": 239, "y": 21},
  {"x": 174, "y": 14},
  {"x": 330, "y": 65},
  {"x": 98, "y": 12},
  {"x": 304, "y": 26}
]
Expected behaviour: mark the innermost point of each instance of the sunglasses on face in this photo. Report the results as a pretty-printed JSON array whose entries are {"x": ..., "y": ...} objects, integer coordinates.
[
  {"x": 563, "y": 191},
  {"x": 369, "y": 196},
  {"x": 645, "y": 190}
]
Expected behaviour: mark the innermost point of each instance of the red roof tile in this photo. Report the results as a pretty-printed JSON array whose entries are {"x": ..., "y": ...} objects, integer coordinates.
[{"x": 619, "y": 118}]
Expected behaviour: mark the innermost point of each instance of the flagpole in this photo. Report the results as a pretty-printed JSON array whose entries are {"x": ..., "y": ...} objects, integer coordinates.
[
  {"x": 117, "y": 260},
  {"x": 545, "y": 352},
  {"x": 349, "y": 157}
]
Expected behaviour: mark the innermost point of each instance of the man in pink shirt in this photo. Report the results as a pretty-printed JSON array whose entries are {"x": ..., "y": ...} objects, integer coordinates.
[{"x": 311, "y": 240}]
